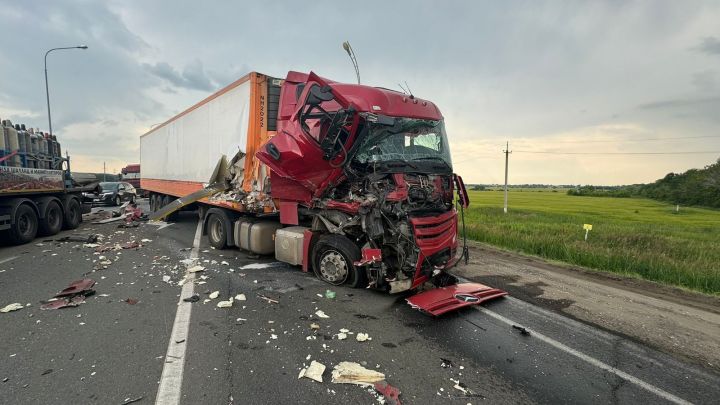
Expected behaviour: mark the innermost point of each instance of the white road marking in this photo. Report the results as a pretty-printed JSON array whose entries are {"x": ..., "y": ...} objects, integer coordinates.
[
  {"x": 591, "y": 360},
  {"x": 170, "y": 389},
  {"x": 8, "y": 259}
]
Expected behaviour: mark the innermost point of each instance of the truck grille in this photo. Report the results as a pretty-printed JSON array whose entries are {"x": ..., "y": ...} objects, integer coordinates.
[{"x": 431, "y": 231}]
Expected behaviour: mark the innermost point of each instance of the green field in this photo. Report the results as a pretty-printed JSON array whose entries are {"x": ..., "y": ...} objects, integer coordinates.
[{"x": 631, "y": 236}]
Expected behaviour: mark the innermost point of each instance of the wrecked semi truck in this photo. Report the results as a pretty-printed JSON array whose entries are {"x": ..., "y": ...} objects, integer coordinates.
[
  {"x": 350, "y": 181},
  {"x": 37, "y": 193}
]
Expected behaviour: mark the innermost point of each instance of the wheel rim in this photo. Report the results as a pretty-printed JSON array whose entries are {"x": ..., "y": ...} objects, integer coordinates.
[
  {"x": 24, "y": 224},
  {"x": 333, "y": 267},
  {"x": 216, "y": 230},
  {"x": 54, "y": 217}
]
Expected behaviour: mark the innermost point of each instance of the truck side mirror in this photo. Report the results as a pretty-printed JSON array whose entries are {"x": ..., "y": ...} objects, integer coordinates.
[
  {"x": 462, "y": 192},
  {"x": 318, "y": 94}
]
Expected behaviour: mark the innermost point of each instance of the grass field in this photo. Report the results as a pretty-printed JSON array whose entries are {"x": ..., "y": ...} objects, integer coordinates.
[{"x": 632, "y": 236}]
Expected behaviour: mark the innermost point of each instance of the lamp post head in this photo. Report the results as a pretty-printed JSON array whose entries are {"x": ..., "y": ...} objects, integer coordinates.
[
  {"x": 346, "y": 47},
  {"x": 82, "y": 47}
]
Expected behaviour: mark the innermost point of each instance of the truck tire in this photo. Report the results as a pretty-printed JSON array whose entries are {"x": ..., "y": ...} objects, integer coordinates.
[
  {"x": 217, "y": 234},
  {"x": 332, "y": 259},
  {"x": 73, "y": 214},
  {"x": 25, "y": 225},
  {"x": 52, "y": 222}
]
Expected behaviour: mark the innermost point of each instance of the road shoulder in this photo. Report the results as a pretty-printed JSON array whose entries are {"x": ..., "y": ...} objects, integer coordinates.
[{"x": 670, "y": 319}]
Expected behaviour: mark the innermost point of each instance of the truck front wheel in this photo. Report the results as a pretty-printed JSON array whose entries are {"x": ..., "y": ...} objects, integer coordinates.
[
  {"x": 25, "y": 225},
  {"x": 217, "y": 234},
  {"x": 333, "y": 257},
  {"x": 53, "y": 220}
]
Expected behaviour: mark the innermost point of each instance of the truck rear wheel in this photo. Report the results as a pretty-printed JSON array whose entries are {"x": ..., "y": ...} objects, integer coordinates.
[
  {"x": 25, "y": 225},
  {"x": 332, "y": 259},
  {"x": 73, "y": 214},
  {"x": 53, "y": 220},
  {"x": 217, "y": 234}
]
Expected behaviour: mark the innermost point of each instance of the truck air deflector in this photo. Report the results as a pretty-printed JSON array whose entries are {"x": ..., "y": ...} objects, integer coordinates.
[{"x": 445, "y": 299}]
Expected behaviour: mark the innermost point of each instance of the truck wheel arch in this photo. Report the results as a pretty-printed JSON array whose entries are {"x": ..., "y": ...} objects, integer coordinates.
[{"x": 227, "y": 218}]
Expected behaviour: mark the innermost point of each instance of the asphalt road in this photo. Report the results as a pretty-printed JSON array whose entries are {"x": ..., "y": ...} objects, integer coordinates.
[{"x": 108, "y": 351}]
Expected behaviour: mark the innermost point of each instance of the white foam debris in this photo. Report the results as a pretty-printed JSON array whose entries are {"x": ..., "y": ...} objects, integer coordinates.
[
  {"x": 313, "y": 372},
  {"x": 321, "y": 314},
  {"x": 225, "y": 304},
  {"x": 240, "y": 297},
  {"x": 214, "y": 295}
]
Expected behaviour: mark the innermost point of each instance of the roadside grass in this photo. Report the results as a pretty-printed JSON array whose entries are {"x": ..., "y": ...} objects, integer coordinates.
[{"x": 630, "y": 236}]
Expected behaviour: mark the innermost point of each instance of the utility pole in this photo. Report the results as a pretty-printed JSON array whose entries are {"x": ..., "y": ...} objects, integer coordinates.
[
  {"x": 507, "y": 153},
  {"x": 104, "y": 179}
]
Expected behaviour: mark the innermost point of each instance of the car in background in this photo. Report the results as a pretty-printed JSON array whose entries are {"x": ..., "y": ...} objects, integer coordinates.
[{"x": 112, "y": 193}]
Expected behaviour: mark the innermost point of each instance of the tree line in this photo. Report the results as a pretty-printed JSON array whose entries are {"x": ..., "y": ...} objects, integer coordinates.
[{"x": 694, "y": 187}]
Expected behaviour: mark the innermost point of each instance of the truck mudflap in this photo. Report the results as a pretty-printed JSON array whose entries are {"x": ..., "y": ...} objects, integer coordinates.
[{"x": 445, "y": 299}]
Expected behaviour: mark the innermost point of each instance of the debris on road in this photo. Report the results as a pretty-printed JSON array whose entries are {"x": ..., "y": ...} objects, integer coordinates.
[
  {"x": 196, "y": 269},
  {"x": 446, "y": 363},
  {"x": 522, "y": 330},
  {"x": 214, "y": 295},
  {"x": 71, "y": 296},
  {"x": 131, "y": 301},
  {"x": 225, "y": 304},
  {"x": 321, "y": 314},
  {"x": 256, "y": 266},
  {"x": 362, "y": 337},
  {"x": 329, "y": 294},
  {"x": 129, "y": 401},
  {"x": 390, "y": 393},
  {"x": 86, "y": 238},
  {"x": 192, "y": 298},
  {"x": 12, "y": 307},
  {"x": 240, "y": 297},
  {"x": 313, "y": 372},
  {"x": 347, "y": 372},
  {"x": 268, "y": 299}
]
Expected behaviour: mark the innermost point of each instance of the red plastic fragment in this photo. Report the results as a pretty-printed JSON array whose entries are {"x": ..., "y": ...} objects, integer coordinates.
[
  {"x": 369, "y": 256},
  {"x": 391, "y": 394},
  {"x": 76, "y": 287},
  {"x": 64, "y": 303},
  {"x": 445, "y": 299}
]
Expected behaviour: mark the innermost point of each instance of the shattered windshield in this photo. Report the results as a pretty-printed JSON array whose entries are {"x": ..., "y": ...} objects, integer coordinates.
[{"x": 408, "y": 140}]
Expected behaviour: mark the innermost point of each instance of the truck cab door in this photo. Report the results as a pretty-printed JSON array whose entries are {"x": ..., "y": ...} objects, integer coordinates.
[{"x": 312, "y": 147}]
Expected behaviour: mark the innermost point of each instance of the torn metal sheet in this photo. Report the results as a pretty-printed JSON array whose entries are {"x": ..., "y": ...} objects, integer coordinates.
[
  {"x": 216, "y": 184},
  {"x": 77, "y": 287},
  {"x": 445, "y": 299},
  {"x": 66, "y": 302}
]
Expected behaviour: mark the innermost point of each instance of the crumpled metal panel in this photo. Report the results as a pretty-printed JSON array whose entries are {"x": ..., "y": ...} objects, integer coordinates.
[{"x": 445, "y": 299}]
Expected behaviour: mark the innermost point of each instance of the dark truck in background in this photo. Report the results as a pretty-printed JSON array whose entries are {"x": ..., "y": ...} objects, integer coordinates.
[{"x": 37, "y": 193}]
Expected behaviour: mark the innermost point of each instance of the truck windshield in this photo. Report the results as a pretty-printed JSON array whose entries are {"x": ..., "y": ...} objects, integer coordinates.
[{"x": 408, "y": 140}]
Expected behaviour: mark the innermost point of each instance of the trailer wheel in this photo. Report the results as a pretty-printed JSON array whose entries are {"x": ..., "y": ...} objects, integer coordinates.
[
  {"x": 217, "y": 234},
  {"x": 73, "y": 214},
  {"x": 25, "y": 225},
  {"x": 332, "y": 259},
  {"x": 53, "y": 220}
]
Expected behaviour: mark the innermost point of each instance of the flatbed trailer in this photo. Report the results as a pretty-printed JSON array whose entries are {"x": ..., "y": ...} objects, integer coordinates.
[{"x": 38, "y": 202}]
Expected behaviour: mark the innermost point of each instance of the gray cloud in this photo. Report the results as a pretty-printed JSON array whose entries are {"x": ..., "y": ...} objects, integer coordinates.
[
  {"x": 193, "y": 76},
  {"x": 705, "y": 81},
  {"x": 680, "y": 103},
  {"x": 710, "y": 45}
]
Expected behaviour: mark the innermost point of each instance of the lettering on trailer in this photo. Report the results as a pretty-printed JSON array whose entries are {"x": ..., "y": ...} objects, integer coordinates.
[
  {"x": 262, "y": 111},
  {"x": 14, "y": 179}
]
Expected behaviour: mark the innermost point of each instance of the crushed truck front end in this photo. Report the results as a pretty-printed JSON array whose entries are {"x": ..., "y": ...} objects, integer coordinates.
[{"x": 368, "y": 172}]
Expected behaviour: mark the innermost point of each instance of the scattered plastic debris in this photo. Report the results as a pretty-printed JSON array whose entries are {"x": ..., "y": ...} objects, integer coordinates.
[
  {"x": 347, "y": 372},
  {"x": 321, "y": 314},
  {"x": 192, "y": 298},
  {"x": 522, "y": 330},
  {"x": 390, "y": 393},
  {"x": 362, "y": 337},
  {"x": 225, "y": 304},
  {"x": 446, "y": 363},
  {"x": 214, "y": 295},
  {"x": 313, "y": 372},
  {"x": 254, "y": 266},
  {"x": 342, "y": 336},
  {"x": 145, "y": 240},
  {"x": 268, "y": 299},
  {"x": 196, "y": 269},
  {"x": 166, "y": 279},
  {"x": 71, "y": 296},
  {"x": 11, "y": 307},
  {"x": 314, "y": 326},
  {"x": 240, "y": 297},
  {"x": 131, "y": 301},
  {"x": 129, "y": 401},
  {"x": 329, "y": 294}
]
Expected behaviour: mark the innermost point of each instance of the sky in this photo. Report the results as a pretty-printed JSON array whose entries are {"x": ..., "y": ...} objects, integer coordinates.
[{"x": 573, "y": 86}]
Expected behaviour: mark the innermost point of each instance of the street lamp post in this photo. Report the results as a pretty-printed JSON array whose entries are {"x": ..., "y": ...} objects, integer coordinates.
[{"x": 47, "y": 90}]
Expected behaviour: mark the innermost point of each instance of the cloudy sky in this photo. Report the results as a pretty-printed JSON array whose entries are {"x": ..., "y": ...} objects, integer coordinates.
[{"x": 564, "y": 77}]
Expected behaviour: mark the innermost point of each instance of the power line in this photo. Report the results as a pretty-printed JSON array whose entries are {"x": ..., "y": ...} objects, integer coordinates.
[{"x": 619, "y": 153}]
